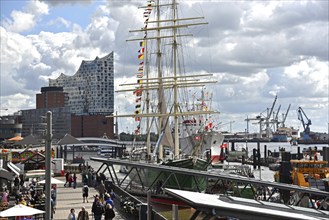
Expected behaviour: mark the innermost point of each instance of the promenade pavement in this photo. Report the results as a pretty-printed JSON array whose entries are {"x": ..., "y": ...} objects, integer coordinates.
[{"x": 68, "y": 198}]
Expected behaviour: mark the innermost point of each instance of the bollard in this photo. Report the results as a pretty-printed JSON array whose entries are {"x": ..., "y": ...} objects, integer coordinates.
[
  {"x": 258, "y": 154},
  {"x": 254, "y": 157},
  {"x": 174, "y": 211},
  {"x": 265, "y": 154}
]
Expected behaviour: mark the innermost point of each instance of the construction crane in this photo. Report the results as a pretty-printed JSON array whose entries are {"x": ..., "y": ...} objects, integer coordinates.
[
  {"x": 305, "y": 122},
  {"x": 260, "y": 120}
]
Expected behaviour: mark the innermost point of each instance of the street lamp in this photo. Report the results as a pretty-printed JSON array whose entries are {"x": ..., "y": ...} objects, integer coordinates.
[{"x": 48, "y": 164}]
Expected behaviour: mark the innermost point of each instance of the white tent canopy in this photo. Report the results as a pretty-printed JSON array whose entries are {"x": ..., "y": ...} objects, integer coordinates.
[
  {"x": 20, "y": 210},
  {"x": 52, "y": 181}
]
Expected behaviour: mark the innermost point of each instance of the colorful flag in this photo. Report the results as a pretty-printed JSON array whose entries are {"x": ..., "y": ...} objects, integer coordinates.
[
  {"x": 139, "y": 81},
  {"x": 137, "y": 118},
  {"x": 138, "y": 92},
  {"x": 141, "y": 56},
  {"x": 141, "y": 64},
  {"x": 138, "y": 99},
  {"x": 142, "y": 43},
  {"x": 141, "y": 50},
  {"x": 139, "y": 75},
  {"x": 138, "y": 106},
  {"x": 140, "y": 69},
  {"x": 137, "y": 112}
]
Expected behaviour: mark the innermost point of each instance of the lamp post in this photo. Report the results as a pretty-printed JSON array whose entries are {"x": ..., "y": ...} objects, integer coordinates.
[{"x": 48, "y": 164}]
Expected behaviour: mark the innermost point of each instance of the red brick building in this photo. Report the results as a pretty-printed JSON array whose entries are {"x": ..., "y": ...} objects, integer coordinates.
[{"x": 91, "y": 126}]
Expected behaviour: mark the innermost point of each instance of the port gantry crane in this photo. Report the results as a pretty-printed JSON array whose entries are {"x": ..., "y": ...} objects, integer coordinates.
[
  {"x": 305, "y": 122},
  {"x": 261, "y": 120}
]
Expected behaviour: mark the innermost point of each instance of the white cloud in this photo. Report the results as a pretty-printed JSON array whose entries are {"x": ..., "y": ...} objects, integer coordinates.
[
  {"x": 21, "y": 21},
  {"x": 255, "y": 49},
  {"x": 58, "y": 22},
  {"x": 25, "y": 20}
]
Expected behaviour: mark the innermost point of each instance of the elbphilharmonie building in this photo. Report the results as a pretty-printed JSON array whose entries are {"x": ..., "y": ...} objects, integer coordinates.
[{"x": 91, "y": 88}]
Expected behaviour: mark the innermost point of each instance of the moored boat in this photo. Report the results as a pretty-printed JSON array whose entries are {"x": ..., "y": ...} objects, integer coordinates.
[{"x": 186, "y": 129}]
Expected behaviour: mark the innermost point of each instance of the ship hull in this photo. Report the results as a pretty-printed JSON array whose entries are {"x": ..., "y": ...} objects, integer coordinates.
[
  {"x": 156, "y": 179},
  {"x": 203, "y": 141}
]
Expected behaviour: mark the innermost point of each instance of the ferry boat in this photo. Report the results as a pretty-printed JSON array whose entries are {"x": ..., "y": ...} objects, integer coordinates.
[{"x": 106, "y": 151}]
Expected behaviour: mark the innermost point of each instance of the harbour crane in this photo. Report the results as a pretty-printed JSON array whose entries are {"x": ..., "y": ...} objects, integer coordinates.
[
  {"x": 305, "y": 122},
  {"x": 285, "y": 117},
  {"x": 275, "y": 119},
  {"x": 269, "y": 113}
]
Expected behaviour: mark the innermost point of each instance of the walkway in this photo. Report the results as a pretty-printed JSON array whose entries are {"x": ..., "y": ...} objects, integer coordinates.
[{"x": 68, "y": 198}]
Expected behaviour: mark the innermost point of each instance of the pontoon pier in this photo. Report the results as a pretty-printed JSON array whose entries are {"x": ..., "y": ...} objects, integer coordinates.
[{"x": 265, "y": 191}]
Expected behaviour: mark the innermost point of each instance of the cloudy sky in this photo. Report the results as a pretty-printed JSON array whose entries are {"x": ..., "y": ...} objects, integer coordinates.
[{"x": 255, "y": 49}]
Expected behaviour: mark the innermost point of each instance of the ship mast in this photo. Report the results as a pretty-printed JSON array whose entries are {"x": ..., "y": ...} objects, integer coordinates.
[
  {"x": 160, "y": 83},
  {"x": 176, "y": 138}
]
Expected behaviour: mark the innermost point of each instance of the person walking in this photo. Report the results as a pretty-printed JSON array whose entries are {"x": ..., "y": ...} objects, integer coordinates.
[
  {"x": 74, "y": 180},
  {"x": 97, "y": 209},
  {"x": 83, "y": 214},
  {"x": 72, "y": 215},
  {"x": 67, "y": 175},
  {"x": 101, "y": 190},
  {"x": 109, "y": 212},
  {"x": 85, "y": 191}
]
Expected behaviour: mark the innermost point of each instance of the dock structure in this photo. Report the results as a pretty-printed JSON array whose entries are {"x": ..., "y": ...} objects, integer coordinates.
[
  {"x": 241, "y": 208},
  {"x": 262, "y": 190}
]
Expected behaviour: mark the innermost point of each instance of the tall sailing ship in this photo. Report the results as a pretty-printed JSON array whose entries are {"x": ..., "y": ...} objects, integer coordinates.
[{"x": 163, "y": 91}]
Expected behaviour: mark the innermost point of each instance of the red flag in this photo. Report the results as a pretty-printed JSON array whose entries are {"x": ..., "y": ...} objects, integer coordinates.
[
  {"x": 138, "y": 99},
  {"x": 141, "y": 56},
  {"x": 224, "y": 145}
]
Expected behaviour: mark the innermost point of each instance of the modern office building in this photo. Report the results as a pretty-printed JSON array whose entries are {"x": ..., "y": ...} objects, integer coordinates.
[
  {"x": 10, "y": 126},
  {"x": 34, "y": 122},
  {"x": 79, "y": 103},
  {"x": 91, "y": 88}
]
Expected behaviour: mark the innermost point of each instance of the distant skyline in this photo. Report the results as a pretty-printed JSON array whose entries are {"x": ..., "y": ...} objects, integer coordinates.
[{"x": 255, "y": 49}]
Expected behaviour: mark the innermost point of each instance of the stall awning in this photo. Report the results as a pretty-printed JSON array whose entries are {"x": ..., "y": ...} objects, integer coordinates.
[{"x": 4, "y": 174}]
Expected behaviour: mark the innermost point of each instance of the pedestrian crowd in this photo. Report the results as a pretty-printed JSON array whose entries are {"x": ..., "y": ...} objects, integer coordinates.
[{"x": 102, "y": 204}]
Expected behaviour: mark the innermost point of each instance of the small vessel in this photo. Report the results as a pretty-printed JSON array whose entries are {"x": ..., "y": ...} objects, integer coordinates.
[
  {"x": 106, "y": 151},
  {"x": 285, "y": 134},
  {"x": 309, "y": 171}
]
